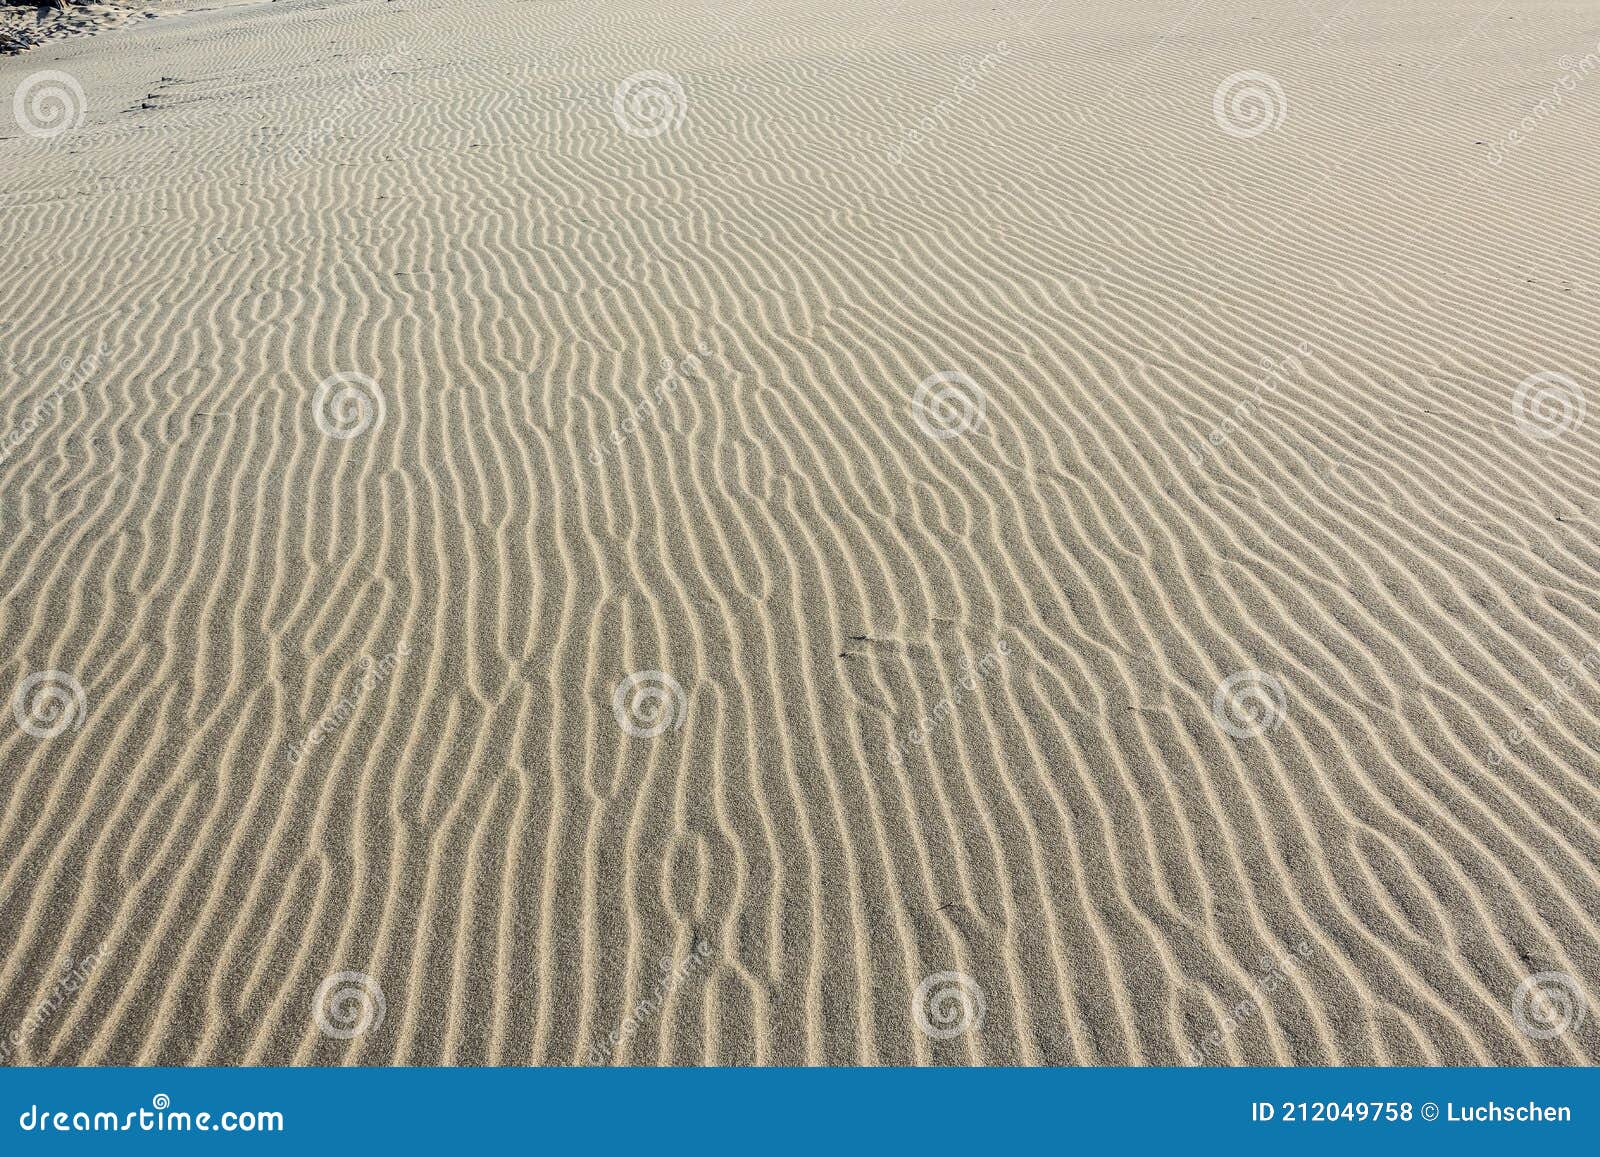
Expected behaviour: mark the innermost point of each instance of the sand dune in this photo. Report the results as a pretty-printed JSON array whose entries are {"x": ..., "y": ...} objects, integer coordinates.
[
  {"x": 27, "y": 26},
  {"x": 565, "y": 532}
]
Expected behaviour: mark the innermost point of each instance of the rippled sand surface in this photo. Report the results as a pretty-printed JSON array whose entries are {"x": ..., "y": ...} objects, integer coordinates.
[{"x": 889, "y": 532}]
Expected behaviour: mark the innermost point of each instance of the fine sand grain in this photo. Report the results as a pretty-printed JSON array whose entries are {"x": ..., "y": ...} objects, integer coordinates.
[{"x": 764, "y": 532}]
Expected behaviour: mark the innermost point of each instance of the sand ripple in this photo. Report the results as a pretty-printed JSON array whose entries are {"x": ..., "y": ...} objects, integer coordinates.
[{"x": 756, "y": 534}]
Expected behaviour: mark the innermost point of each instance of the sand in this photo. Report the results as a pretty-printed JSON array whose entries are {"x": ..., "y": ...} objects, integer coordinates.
[
  {"x": 27, "y": 26},
  {"x": 890, "y": 533}
]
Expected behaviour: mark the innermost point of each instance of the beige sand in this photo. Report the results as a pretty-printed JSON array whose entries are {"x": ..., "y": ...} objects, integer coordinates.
[{"x": 1201, "y": 666}]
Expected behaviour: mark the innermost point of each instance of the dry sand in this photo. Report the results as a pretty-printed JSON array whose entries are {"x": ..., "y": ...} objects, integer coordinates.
[
  {"x": 1205, "y": 667},
  {"x": 25, "y": 26}
]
